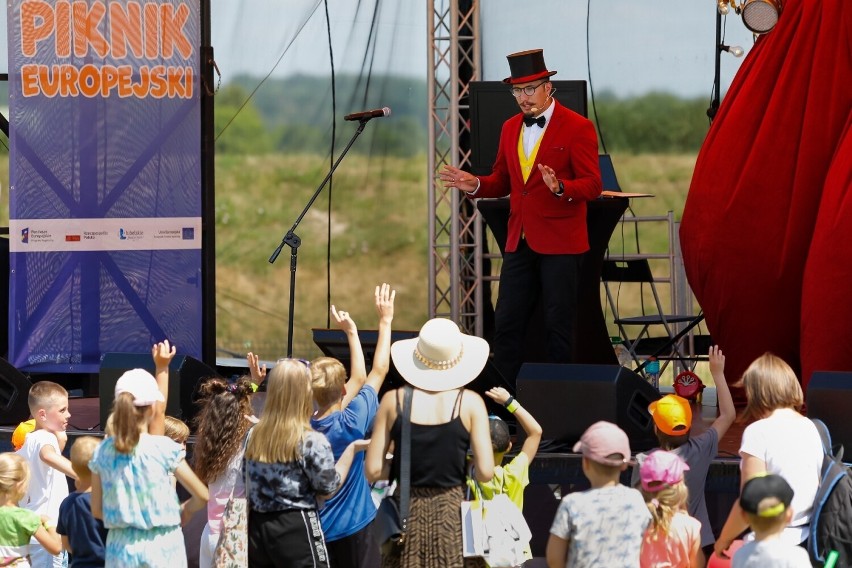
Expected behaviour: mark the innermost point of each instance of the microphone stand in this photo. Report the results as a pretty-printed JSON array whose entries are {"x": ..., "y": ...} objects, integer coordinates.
[
  {"x": 716, "y": 101},
  {"x": 292, "y": 240}
]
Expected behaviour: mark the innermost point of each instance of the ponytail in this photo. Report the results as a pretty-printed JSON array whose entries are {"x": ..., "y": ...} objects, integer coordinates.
[{"x": 127, "y": 420}]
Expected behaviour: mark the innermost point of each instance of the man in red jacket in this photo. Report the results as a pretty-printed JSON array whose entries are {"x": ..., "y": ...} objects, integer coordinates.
[{"x": 547, "y": 163}]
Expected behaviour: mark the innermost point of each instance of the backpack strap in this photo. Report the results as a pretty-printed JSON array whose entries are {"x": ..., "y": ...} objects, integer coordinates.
[
  {"x": 825, "y": 436},
  {"x": 405, "y": 458}
]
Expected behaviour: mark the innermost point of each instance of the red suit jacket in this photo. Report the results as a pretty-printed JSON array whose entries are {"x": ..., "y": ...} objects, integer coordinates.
[{"x": 550, "y": 224}]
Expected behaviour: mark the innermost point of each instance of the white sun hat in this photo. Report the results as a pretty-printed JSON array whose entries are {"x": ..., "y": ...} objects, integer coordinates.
[{"x": 441, "y": 357}]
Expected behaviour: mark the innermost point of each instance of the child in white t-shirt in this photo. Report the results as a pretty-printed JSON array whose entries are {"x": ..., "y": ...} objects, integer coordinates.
[{"x": 42, "y": 450}]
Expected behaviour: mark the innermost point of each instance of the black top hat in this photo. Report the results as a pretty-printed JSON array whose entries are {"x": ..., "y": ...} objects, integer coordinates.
[{"x": 527, "y": 66}]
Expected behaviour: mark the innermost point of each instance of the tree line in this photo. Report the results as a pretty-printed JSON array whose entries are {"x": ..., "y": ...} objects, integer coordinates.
[{"x": 292, "y": 115}]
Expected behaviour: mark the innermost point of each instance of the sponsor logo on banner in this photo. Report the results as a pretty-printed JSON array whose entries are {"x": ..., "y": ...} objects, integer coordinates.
[
  {"x": 80, "y": 235},
  {"x": 34, "y": 235},
  {"x": 94, "y": 235},
  {"x": 130, "y": 234}
]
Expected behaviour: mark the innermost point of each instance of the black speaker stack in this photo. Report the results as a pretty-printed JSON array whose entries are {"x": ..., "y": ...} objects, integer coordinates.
[
  {"x": 185, "y": 374},
  {"x": 567, "y": 399}
]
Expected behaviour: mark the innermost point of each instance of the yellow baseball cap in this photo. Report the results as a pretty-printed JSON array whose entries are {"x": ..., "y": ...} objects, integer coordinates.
[{"x": 672, "y": 415}]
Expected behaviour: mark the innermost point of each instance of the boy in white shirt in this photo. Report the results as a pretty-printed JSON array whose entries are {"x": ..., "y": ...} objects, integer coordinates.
[{"x": 42, "y": 449}]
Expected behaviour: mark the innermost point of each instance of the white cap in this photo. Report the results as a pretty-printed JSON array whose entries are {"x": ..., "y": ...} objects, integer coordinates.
[{"x": 141, "y": 385}]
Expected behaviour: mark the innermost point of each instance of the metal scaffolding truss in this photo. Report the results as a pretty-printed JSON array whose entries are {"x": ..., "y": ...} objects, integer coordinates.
[{"x": 455, "y": 233}]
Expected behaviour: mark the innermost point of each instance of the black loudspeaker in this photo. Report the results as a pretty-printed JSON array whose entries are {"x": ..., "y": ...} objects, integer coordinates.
[
  {"x": 185, "y": 373},
  {"x": 829, "y": 398},
  {"x": 14, "y": 388},
  {"x": 567, "y": 399}
]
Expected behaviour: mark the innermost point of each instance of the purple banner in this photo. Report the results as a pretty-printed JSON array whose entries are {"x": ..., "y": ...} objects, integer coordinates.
[{"x": 105, "y": 173}]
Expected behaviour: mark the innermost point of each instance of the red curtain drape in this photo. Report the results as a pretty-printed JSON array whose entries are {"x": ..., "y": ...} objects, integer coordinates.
[{"x": 766, "y": 226}]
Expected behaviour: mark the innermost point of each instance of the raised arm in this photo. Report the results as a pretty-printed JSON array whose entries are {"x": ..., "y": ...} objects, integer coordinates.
[
  {"x": 358, "y": 368},
  {"x": 162, "y": 353},
  {"x": 525, "y": 420},
  {"x": 385, "y": 296},
  {"x": 258, "y": 372},
  {"x": 727, "y": 412}
]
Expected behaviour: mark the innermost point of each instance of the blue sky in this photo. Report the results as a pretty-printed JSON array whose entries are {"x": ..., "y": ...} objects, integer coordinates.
[{"x": 634, "y": 46}]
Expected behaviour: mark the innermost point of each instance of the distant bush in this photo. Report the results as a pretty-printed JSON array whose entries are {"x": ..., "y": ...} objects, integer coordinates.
[
  {"x": 652, "y": 123},
  {"x": 294, "y": 115}
]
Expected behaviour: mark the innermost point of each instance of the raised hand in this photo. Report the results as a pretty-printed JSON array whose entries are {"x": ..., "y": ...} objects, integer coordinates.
[
  {"x": 163, "y": 353},
  {"x": 717, "y": 361},
  {"x": 498, "y": 395},
  {"x": 258, "y": 373},
  {"x": 343, "y": 320},
  {"x": 455, "y": 177},
  {"x": 384, "y": 301}
]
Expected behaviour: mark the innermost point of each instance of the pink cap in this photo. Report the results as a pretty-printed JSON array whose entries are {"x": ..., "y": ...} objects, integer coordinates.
[
  {"x": 661, "y": 468},
  {"x": 603, "y": 439}
]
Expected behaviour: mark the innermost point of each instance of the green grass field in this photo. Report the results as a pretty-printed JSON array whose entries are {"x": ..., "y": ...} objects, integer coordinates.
[{"x": 379, "y": 233}]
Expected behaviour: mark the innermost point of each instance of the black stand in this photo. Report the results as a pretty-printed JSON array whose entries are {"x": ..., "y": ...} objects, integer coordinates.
[
  {"x": 292, "y": 240},
  {"x": 715, "y": 101}
]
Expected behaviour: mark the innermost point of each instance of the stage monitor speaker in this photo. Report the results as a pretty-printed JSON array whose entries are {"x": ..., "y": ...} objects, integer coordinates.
[
  {"x": 14, "y": 388},
  {"x": 185, "y": 373},
  {"x": 567, "y": 399},
  {"x": 829, "y": 398}
]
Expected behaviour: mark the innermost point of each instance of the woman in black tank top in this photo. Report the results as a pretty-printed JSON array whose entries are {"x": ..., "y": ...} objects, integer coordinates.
[{"x": 446, "y": 420}]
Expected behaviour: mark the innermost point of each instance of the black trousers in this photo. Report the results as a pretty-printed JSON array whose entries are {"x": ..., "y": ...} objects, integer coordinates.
[
  {"x": 358, "y": 550},
  {"x": 286, "y": 538},
  {"x": 526, "y": 277}
]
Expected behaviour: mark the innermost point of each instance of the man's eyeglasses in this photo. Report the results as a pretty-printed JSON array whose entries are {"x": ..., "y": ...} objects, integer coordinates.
[{"x": 529, "y": 90}]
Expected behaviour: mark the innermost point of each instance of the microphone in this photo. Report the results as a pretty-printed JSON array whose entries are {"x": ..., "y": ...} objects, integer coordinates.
[
  {"x": 534, "y": 110},
  {"x": 368, "y": 114}
]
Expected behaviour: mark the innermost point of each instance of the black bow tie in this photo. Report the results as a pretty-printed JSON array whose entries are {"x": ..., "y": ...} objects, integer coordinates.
[{"x": 529, "y": 121}]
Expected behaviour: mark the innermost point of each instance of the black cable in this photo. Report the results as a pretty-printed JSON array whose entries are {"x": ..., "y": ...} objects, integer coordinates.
[
  {"x": 262, "y": 81},
  {"x": 331, "y": 165},
  {"x": 589, "y": 70}
]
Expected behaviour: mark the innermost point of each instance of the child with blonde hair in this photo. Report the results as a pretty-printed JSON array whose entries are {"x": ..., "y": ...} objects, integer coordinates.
[
  {"x": 290, "y": 467},
  {"x": 673, "y": 538},
  {"x": 177, "y": 430},
  {"x": 131, "y": 490},
  {"x": 83, "y": 536},
  {"x": 345, "y": 413},
  {"x": 18, "y": 525},
  {"x": 42, "y": 449}
]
